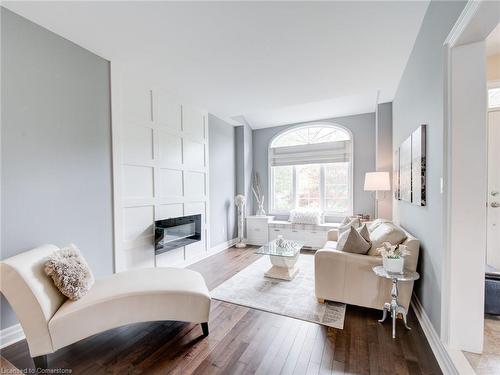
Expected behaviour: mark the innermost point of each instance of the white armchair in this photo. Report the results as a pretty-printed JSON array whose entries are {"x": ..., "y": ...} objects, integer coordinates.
[{"x": 348, "y": 278}]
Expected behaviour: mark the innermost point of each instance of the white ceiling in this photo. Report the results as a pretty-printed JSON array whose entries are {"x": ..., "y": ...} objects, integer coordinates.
[
  {"x": 324, "y": 109},
  {"x": 272, "y": 62}
]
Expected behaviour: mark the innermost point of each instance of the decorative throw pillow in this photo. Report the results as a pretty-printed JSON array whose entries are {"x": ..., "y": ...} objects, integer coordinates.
[
  {"x": 346, "y": 221},
  {"x": 363, "y": 231},
  {"x": 70, "y": 272},
  {"x": 352, "y": 222},
  {"x": 351, "y": 241},
  {"x": 385, "y": 232},
  {"x": 305, "y": 216},
  {"x": 375, "y": 224}
]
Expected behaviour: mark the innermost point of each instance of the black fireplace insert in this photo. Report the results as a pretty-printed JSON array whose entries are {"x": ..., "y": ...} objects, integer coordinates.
[{"x": 176, "y": 232}]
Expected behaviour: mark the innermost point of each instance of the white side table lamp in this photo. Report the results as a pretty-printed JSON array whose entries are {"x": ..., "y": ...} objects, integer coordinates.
[{"x": 377, "y": 182}]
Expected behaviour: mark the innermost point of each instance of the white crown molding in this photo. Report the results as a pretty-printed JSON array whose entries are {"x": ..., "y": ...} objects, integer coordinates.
[
  {"x": 452, "y": 362},
  {"x": 464, "y": 19},
  {"x": 11, "y": 335}
]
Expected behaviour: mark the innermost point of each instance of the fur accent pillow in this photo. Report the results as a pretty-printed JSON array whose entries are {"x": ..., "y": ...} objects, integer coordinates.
[
  {"x": 305, "y": 216},
  {"x": 70, "y": 272},
  {"x": 351, "y": 241}
]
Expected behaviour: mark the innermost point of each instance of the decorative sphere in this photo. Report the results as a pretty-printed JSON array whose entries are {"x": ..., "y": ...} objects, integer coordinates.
[{"x": 240, "y": 200}]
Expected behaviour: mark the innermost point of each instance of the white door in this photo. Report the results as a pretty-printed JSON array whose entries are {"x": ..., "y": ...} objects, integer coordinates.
[{"x": 493, "y": 241}]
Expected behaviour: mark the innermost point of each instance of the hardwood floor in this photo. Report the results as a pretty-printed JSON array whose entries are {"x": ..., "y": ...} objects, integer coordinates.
[
  {"x": 8, "y": 368},
  {"x": 245, "y": 341}
]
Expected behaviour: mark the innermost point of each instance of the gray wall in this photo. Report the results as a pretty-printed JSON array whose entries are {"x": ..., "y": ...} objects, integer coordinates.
[
  {"x": 419, "y": 100},
  {"x": 244, "y": 163},
  {"x": 222, "y": 159},
  {"x": 56, "y": 146},
  {"x": 248, "y": 156},
  {"x": 384, "y": 155},
  {"x": 239, "y": 138},
  {"x": 363, "y": 131}
]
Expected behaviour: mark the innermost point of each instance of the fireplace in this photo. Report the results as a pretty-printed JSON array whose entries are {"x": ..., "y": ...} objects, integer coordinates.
[{"x": 176, "y": 232}]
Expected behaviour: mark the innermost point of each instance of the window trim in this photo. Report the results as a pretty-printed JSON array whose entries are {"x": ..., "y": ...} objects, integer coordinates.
[
  {"x": 294, "y": 128},
  {"x": 270, "y": 174}
]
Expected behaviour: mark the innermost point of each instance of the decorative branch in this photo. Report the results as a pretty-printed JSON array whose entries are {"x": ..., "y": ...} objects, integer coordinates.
[
  {"x": 259, "y": 195},
  {"x": 257, "y": 189}
]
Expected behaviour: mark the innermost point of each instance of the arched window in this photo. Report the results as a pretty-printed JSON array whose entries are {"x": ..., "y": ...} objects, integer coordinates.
[{"x": 311, "y": 167}]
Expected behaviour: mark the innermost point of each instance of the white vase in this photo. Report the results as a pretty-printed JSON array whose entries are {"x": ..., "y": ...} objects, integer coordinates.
[
  {"x": 394, "y": 265},
  {"x": 260, "y": 210}
]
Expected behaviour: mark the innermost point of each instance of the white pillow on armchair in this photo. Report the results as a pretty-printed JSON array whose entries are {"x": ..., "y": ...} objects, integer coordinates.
[{"x": 385, "y": 232}]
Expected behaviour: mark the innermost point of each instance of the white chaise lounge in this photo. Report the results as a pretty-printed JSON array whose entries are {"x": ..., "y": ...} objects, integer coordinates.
[{"x": 51, "y": 321}]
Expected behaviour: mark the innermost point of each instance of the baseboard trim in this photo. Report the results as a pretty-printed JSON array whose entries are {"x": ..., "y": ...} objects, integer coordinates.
[
  {"x": 11, "y": 335},
  {"x": 452, "y": 362},
  {"x": 223, "y": 246},
  {"x": 213, "y": 250}
]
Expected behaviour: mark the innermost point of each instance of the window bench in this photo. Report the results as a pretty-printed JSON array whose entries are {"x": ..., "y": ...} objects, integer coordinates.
[{"x": 261, "y": 230}]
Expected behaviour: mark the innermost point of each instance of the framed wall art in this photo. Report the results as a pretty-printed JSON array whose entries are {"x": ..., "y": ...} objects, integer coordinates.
[
  {"x": 405, "y": 170},
  {"x": 418, "y": 161},
  {"x": 410, "y": 163},
  {"x": 395, "y": 175}
]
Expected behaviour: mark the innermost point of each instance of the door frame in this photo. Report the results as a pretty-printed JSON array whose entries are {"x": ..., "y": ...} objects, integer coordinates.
[
  {"x": 464, "y": 229},
  {"x": 494, "y": 84}
]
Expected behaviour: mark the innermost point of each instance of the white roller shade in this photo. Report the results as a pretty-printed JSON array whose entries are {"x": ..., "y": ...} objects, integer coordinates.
[{"x": 319, "y": 153}]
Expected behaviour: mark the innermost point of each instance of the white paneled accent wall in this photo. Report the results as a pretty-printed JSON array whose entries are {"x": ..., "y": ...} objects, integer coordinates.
[{"x": 160, "y": 150}]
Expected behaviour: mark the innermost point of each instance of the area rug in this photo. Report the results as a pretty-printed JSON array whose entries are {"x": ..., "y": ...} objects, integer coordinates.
[{"x": 293, "y": 298}]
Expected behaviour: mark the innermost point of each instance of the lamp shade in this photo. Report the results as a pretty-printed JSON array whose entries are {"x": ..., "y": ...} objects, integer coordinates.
[{"x": 377, "y": 181}]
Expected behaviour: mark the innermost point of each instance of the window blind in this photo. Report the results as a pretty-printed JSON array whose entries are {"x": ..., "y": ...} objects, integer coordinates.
[{"x": 319, "y": 153}]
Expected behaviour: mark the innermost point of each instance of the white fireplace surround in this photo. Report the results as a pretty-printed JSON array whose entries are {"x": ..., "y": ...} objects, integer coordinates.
[{"x": 160, "y": 170}]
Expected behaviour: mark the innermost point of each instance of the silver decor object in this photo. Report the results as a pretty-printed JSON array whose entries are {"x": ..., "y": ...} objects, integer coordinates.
[
  {"x": 240, "y": 201},
  {"x": 393, "y": 307}
]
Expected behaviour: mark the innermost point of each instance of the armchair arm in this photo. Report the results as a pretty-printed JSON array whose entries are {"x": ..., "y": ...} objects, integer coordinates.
[
  {"x": 345, "y": 277},
  {"x": 333, "y": 235}
]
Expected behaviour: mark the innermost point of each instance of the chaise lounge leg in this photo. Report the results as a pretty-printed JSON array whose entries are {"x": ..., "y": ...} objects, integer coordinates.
[
  {"x": 321, "y": 300},
  {"x": 40, "y": 362},
  {"x": 204, "y": 328}
]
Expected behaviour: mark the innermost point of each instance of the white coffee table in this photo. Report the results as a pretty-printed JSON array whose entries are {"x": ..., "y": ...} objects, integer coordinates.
[{"x": 283, "y": 258}]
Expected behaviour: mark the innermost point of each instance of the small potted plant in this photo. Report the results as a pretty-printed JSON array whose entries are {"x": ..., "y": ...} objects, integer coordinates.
[{"x": 393, "y": 257}]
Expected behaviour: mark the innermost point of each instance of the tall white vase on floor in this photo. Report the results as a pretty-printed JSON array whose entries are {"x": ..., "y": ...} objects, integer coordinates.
[{"x": 240, "y": 202}]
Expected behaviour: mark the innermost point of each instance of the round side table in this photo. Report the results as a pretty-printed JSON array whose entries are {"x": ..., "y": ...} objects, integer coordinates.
[{"x": 393, "y": 306}]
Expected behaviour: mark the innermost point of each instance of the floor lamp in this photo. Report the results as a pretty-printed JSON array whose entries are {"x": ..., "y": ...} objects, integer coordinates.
[{"x": 377, "y": 181}]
